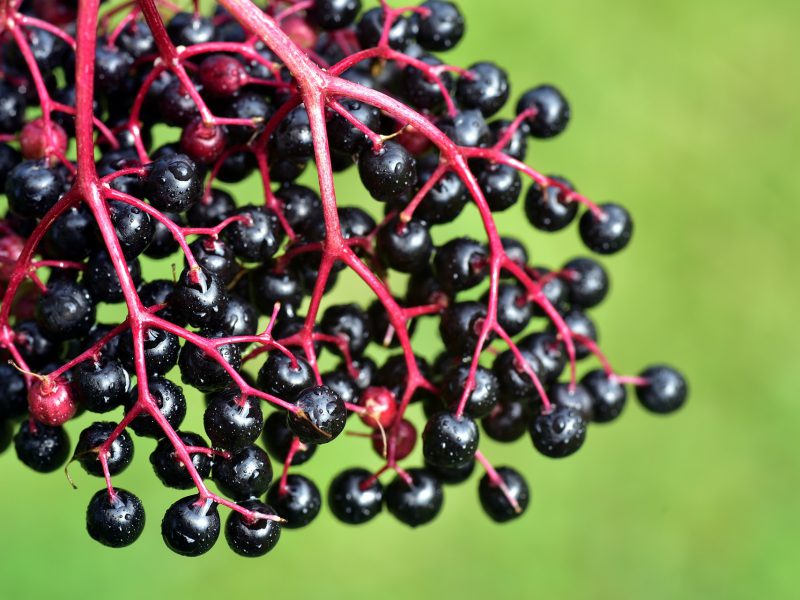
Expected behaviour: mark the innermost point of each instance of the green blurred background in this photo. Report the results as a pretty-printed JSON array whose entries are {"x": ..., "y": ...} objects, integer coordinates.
[{"x": 686, "y": 112}]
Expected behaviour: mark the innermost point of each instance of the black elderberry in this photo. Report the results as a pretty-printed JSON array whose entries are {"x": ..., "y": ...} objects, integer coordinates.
[
  {"x": 66, "y": 310},
  {"x": 497, "y": 502},
  {"x": 278, "y": 439},
  {"x": 118, "y": 456},
  {"x": 587, "y": 282},
  {"x": 284, "y": 376},
  {"x": 257, "y": 237},
  {"x": 321, "y": 418},
  {"x": 203, "y": 371},
  {"x": 232, "y": 422},
  {"x": 33, "y": 187},
  {"x": 245, "y": 474},
  {"x": 388, "y": 173},
  {"x": 347, "y": 138},
  {"x": 101, "y": 279},
  {"x": 547, "y": 208},
  {"x": 558, "y": 433},
  {"x": 449, "y": 441},
  {"x": 552, "y": 111},
  {"x": 334, "y": 14},
  {"x": 405, "y": 247},
  {"x": 252, "y": 538},
  {"x": 508, "y": 421},
  {"x": 442, "y": 28},
  {"x": 115, "y": 520},
  {"x": 200, "y": 297},
  {"x": 460, "y": 264},
  {"x": 416, "y": 504},
  {"x": 607, "y": 234},
  {"x": 169, "y": 400},
  {"x": 191, "y": 526},
  {"x": 173, "y": 183},
  {"x": 169, "y": 468},
  {"x": 665, "y": 391},
  {"x": 41, "y": 447},
  {"x": 351, "y": 500},
  {"x": 298, "y": 502},
  {"x": 608, "y": 395},
  {"x": 486, "y": 89}
]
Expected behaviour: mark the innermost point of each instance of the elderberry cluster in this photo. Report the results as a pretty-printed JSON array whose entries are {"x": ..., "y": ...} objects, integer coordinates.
[{"x": 247, "y": 319}]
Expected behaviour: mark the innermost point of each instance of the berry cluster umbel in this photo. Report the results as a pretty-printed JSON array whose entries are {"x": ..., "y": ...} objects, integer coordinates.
[{"x": 262, "y": 93}]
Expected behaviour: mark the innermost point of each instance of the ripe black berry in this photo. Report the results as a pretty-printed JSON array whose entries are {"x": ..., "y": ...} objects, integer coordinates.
[
  {"x": 494, "y": 500},
  {"x": 666, "y": 389},
  {"x": 41, "y": 447},
  {"x": 547, "y": 208},
  {"x": 283, "y": 377},
  {"x": 233, "y": 422},
  {"x": 577, "y": 399},
  {"x": 119, "y": 455},
  {"x": 405, "y": 247},
  {"x": 552, "y": 111},
  {"x": 334, "y": 14},
  {"x": 299, "y": 503},
  {"x": 204, "y": 372},
  {"x": 449, "y": 441},
  {"x": 13, "y": 393},
  {"x": 278, "y": 440},
  {"x": 442, "y": 28},
  {"x": 388, "y": 173},
  {"x": 609, "y": 234},
  {"x": 191, "y": 526},
  {"x": 487, "y": 90},
  {"x": 460, "y": 264},
  {"x": 246, "y": 474},
  {"x": 256, "y": 238},
  {"x": 170, "y": 401},
  {"x": 66, "y": 311},
  {"x": 170, "y": 469},
  {"x": 200, "y": 297},
  {"x": 483, "y": 397},
  {"x": 351, "y": 501},
  {"x": 252, "y": 538},
  {"x": 115, "y": 520},
  {"x": 173, "y": 184},
  {"x": 33, "y": 188},
  {"x": 559, "y": 433},
  {"x": 418, "y": 503},
  {"x": 608, "y": 395},
  {"x": 508, "y": 421},
  {"x": 321, "y": 418},
  {"x": 587, "y": 282}
]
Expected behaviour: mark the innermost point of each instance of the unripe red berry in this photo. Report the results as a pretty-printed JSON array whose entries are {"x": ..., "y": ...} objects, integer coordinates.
[
  {"x": 381, "y": 407},
  {"x": 51, "y": 402},
  {"x": 404, "y": 442},
  {"x": 300, "y": 32},
  {"x": 203, "y": 143},
  {"x": 10, "y": 249},
  {"x": 221, "y": 75},
  {"x": 36, "y": 140}
]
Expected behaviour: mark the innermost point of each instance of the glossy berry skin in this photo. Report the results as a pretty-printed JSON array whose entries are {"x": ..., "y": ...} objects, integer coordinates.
[
  {"x": 370, "y": 27},
  {"x": 514, "y": 309},
  {"x": 322, "y": 417},
  {"x": 442, "y": 28},
  {"x": 483, "y": 397},
  {"x": 487, "y": 91},
  {"x": 66, "y": 311},
  {"x": 587, "y": 282},
  {"x": 161, "y": 350},
  {"x": 13, "y": 393},
  {"x": 36, "y": 349},
  {"x": 500, "y": 184},
  {"x": 665, "y": 392},
  {"x": 282, "y": 377},
  {"x": 268, "y": 286},
  {"x": 120, "y": 453},
  {"x": 187, "y": 29},
  {"x": 189, "y": 528},
  {"x": 204, "y": 372},
  {"x": 423, "y": 93},
  {"x": 170, "y": 401},
  {"x": 345, "y": 137},
  {"x": 299, "y": 503},
  {"x": 216, "y": 257},
  {"x": 240, "y": 318},
  {"x": 452, "y": 475},
  {"x": 508, "y": 421},
  {"x": 200, "y": 297},
  {"x": 459, "y": 326},
  {"x": 547, "y": 208},
  {"x": 417, "y": 504},
  {"x": 581, "y": 324},
  {"x": 115, "y": 521},
  {"x": 252, "y": 538},
  {"x": 609, "y": 235},
  {"x": 173, "y": 184},
  {"x": 494, "y": 501},
  {"x": 349, "y": 322},
  {"x": 578, "y": 399},
  {"x": 12, "y": 109},
  {"x": 134, "y": 228},
  {"x": 232, "y": 423},
  {"x": 559, "y": 433},
  {"x": 553, "y": 111},
  {"x": 608, "y": 395},
  {"x": 381, "y": 406},
  {"x": 405, "y": 441},
  {"x": 517, "y": 146},
  {"x": 163, "y": 243},
  {"x": 40, "y": 447},
  {"x": 548, "y": 354},
  {"x": 352, "y": 503},
  {"x": 221, "y": 75},
  {"x": 170, "y": 470},
  {"x": 460, "y": 264},
  {"x": 444, "y": 202},
  {"x": 33, "y": 188},
  {"x": 405, "y": 247},
  {"x": 467, "y": 128},
  {"x": 211, "y": 210},
  {"x": 258, "y": 238},
  {"x": 112, "y": 67},
  {"x": 102, "y": 280},
  {"x": 278, "y": 439},
  {"x": 292, "y": 138},
  {"x": 301, "y": 205},
  {"x": 204, "y": 144},
  {"x": 334, "y": 14},
  {"x": 389, "y": 173},
  {"x": 72, "y": 237},
  {"x": 246, "y": 474},
  {"x": 449, "y": 441}
]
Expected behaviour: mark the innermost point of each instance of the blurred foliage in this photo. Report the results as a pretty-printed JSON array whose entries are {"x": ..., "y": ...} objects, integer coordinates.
[{"x": 686, "y": 112}]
